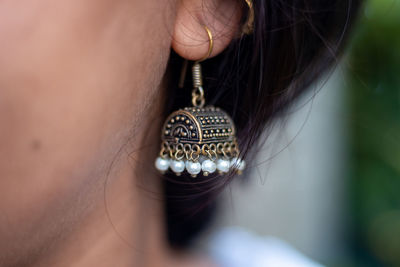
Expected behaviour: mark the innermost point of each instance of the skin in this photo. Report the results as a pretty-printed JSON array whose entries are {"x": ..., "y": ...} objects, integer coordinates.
[{"x": 81, "y": 94}]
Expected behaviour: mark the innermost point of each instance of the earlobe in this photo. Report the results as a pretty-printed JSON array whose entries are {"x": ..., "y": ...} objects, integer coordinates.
[{"x": 190, "y": 39}]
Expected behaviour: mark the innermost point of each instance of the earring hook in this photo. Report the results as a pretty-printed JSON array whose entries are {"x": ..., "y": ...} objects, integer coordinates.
[
  {"x": 196, "y": 65},
  {"x": 198, "y": 92}
]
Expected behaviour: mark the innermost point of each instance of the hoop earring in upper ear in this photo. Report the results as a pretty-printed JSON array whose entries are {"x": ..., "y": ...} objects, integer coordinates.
[
  {"x": 248, "y": 26},
  {"x": 199, "y": 139}
]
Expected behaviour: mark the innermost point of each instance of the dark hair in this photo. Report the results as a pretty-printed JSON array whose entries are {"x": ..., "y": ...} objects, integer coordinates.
[{"x": 255, "y": 80}]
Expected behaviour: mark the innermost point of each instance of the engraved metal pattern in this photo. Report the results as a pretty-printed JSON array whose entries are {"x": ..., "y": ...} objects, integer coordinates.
[{"x": 194, "y": 125}]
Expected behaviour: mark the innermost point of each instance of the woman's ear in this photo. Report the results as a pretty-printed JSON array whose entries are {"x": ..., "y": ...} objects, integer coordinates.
[{"x": 190, "y": 39}]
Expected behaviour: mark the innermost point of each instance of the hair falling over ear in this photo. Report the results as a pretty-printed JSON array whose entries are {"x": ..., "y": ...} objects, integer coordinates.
[{"x": 287, "y": 45}]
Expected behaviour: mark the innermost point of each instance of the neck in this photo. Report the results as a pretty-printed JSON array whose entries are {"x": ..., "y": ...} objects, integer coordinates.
[
  {"x": 124, "y": 228},
  {"x": 125, "y": 224}
]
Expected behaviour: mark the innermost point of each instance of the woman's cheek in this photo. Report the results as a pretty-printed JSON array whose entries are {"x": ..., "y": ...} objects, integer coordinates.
[{"x": 73, "y": 78}]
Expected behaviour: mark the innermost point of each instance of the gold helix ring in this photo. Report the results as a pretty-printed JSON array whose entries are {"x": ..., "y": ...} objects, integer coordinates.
[
  {"x": 248, "y": 27},
  {"x": 210, "y": 46}
]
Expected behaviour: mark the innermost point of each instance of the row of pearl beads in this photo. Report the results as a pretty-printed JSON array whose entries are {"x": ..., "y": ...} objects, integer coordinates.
[{"x": 194, "y": 168}]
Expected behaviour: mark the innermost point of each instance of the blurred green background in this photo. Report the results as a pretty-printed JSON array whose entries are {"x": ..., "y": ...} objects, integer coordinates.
[{"x": 374, "y": 91}]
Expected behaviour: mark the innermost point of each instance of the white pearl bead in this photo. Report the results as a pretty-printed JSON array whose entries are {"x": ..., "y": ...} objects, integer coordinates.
[
  {"x": 223, "y": 165},
  {"x": 238, "y": 164},
  {"x": 178, "y": 166},
  {"x": 162, "y": 164},
  {"x": 193, "y": 168},
  {"x": 208, "y": 166}
]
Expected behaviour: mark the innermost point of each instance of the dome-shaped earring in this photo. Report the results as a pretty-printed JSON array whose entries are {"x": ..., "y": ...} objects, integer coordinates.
[{"x": 199, "y": 139}]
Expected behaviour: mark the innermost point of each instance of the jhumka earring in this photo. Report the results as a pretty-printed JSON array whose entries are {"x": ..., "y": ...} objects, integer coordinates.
[{"x": 199, "y": 138}]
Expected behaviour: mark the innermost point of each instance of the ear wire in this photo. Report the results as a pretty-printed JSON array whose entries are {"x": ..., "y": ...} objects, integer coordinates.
[{"x": 197, "y": 77}]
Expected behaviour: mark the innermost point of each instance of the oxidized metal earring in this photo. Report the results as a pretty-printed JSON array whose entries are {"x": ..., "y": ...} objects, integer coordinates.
[{"x": 199, "y": 138}]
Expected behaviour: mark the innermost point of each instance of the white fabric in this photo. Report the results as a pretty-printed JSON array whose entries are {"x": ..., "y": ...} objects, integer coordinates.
[{"x": 235, "y": 247}]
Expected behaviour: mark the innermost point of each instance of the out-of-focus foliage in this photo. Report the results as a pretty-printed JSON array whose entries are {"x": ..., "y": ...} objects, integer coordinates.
[{"x": 374, "y": 89}]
